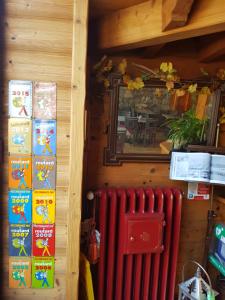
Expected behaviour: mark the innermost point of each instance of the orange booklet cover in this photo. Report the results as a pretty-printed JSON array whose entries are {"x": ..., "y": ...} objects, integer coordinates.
[
  {"x": 20, "y": 172},
  {"x": 19, "y": 272},
  {"x": 43, "y": 207}
]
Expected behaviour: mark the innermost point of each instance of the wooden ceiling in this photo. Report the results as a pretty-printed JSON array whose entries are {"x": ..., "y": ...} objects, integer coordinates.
[
  {"x": 99, "y": 8},
  {"x": 157, "y": 27}
]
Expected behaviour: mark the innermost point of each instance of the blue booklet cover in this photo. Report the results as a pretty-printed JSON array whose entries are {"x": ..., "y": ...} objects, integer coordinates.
[
  {"x": 20, "y": 207},
  {"x": 44, "y": 137},
  {"x": 20, "y": 239}
]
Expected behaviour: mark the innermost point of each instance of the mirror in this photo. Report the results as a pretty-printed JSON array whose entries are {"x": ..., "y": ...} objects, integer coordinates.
[{"x": 139, "y": 120}]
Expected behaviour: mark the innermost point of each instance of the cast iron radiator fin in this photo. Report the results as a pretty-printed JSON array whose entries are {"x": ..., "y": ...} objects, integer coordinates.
[{"x": 140, "y": 231}]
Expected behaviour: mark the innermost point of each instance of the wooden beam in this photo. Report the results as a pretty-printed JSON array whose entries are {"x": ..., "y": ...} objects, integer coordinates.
[
  {"x": 175, "y": 13},
  {"x": 141, "y": 25},
  {"x": 78, "y": 92},
  {"x": 212, "y": 48}
]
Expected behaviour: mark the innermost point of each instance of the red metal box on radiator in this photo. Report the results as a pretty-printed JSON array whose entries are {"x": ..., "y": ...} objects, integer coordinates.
[
  {"x": 140, "y": 231},
  {"x": 143, "y": 233}
]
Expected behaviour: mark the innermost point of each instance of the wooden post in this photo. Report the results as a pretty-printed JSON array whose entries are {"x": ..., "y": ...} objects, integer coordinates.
[
  {"x": 175, "y": 13},
  {"x": 78, "y": 92}
]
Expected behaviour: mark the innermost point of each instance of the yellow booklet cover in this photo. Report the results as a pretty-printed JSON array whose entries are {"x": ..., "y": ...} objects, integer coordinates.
[
  {"x": 19, "y": 136},
  {"x": 43, "y": 208}
]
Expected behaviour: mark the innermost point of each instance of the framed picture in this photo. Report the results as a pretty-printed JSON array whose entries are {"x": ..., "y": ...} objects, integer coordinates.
[{"x": 138, "y": 121}]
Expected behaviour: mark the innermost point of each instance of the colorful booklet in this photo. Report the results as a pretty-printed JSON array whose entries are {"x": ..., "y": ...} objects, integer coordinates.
[
  {"x": 43, "y": 208},
  {"x": 43, "y": 240},
  {"x": 20, "y": 99},
  {"x": 19, "y": 135},
  {"x": 44, "y": 173},
  {"x": 19, "y": 240},
  {"x": 20, "y": 172},
  {"x": 44, "y": 137},
  {"x": 43, "y": 272},
  {"x": 19, "y": 272},
  {"x": 44, "y": 100},
  {"x": 19, "y": 205}
]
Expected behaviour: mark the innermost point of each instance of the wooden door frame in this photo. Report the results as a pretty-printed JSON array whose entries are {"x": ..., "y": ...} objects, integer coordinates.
[{"x": 77, "y": 128}]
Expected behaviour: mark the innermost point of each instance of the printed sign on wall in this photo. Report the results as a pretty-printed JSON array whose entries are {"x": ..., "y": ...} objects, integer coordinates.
[
  {"x": 19, "y": 135},
  {"x": 44, "y": 170},
  {"x": 19, "y": 205},
  {"x": 44, "y": 137},
  {"x": 45, "y": 100},
  {"x": 20, "y": 99},
  {"x": 19, "y": 272},
  {"x": 43, "y": 272},
  {"x": 20, "y": 172},
  {"x": 43, "y": 207},
  {"x": 43, "y": 240},
  {"x": 19, "y": 240}
]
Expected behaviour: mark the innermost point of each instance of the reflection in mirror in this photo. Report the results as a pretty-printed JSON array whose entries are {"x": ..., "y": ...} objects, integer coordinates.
[
  {"x": 141, "y": 120},
  {"x": 146, "y": 124}
]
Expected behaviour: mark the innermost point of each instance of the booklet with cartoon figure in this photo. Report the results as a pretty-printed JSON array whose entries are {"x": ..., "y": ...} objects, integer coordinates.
[
  {"x": 19, "y": 136},
  {"x": 43, "y": 272},
  {"x": 20, "y": 99},
  {"x": 19, "y": 205},
  {"x": 44, "y": 172},
  {"x": 44, "y": 100},
  {"x": 20, "y": 172},
  {"x": 19, "y": 240},
  {"x": 19, "y": 272},
  {"x": 43, "y": 207},
  {"x": 44, "y": 137},
  {"x": 43, "y": 240}
]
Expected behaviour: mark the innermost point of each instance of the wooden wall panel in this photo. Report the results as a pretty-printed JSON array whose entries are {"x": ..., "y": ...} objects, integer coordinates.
[
  {"x": 194, "y": 214},
  {"x": 39, "y": 38}
]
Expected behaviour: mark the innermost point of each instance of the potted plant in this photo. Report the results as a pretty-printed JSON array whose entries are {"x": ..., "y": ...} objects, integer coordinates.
[{"x": 187, "y": 129}]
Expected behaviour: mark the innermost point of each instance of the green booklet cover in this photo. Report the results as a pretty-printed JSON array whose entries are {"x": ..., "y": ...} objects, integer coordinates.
[{"x": 42, "y": 272}]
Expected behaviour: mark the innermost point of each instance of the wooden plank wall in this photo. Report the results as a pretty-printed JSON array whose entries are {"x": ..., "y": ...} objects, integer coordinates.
[
  {"x": 194, "y": 214},
  {"x": 39, "y": 40}
]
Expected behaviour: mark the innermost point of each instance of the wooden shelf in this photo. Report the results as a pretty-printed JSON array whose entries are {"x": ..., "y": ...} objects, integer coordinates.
[{"x": 208, "y": 149}]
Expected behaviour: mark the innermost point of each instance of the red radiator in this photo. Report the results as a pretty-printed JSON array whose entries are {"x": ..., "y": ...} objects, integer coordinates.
[{"x": 139, "y": 243}]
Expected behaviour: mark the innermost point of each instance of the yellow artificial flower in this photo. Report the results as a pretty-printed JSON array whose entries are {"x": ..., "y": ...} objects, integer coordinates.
[
  {"x": 221, "y": 74},
  {"x": 180, "y": 92},
  {"x": 139, "y": 83},
  {"x": 130, "y": 85},
  {"x": 164, "y": 67},
  {"x": 122, "y": 66},
  {"x": 167, "y": 67},
  {"x": 205, "y": 90},
  {"x": 158, "y": 92},
  {"x": 169, "y": 85},
  {"x": 192, "y": 88},
  {"x": 106, "y": 83},
  {"x": 135, "y": 84},
  {"x": 170, "y": 67},
  {"x": 126, "y": 78},
  {"x": 222, "y": 110},
  {"x": 222, "y": 119},
  {"x": 108, "y": 66}
]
